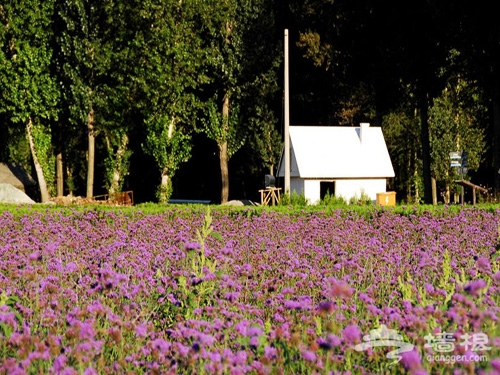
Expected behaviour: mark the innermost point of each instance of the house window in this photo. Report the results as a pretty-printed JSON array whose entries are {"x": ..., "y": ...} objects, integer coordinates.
[{"x": 326, "y": 187}]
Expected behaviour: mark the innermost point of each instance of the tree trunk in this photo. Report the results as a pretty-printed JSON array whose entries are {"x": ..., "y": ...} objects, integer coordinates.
[
  {"x": 165, "y": 189},
  {"x": 223, "y": 152},
  {"x": 118, "y": 173},
  {"x": 60, "y": 176},
  {"x": 434, "y": 191},
  {"x": 447, "y": 196},
  {"x": 70, "y": 181},
  {"x": 117, "y": 162},
  {"x": 164, "y": 193},
  {"x": 38, "y": 167},
  {"x": 224, "y": 170},
  {"x": 91, "y": 154}
]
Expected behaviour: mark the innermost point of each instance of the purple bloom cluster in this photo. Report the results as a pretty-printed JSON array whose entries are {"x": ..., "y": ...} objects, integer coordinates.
[{"x": 111, "y": 292}]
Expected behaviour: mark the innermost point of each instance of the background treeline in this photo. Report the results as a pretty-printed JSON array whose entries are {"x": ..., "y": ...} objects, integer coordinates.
[{"x": 183, "y": 99}]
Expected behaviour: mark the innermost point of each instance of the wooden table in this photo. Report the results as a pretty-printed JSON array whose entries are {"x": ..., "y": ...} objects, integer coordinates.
[{"x": 271, "y": 194}]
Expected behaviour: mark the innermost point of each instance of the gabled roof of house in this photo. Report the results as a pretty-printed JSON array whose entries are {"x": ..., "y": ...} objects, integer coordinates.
[{"x": 338, "y": 152}]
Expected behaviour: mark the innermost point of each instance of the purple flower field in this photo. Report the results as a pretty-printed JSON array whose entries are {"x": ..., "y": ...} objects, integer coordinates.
[{"x": 190, "y": 291}]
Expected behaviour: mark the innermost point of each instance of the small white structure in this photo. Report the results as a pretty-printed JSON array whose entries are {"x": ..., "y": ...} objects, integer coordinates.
[{"x": 348, "y": 161}]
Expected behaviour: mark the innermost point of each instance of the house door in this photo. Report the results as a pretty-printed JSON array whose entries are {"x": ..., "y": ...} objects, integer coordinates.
[{"x": 326, "y": 187}]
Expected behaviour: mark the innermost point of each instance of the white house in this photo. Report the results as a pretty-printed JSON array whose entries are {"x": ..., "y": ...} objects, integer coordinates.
[{"x": 346, "y": 161}]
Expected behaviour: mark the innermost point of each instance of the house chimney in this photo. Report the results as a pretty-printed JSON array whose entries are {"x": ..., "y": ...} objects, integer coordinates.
[{"x": 363, "y": 130}]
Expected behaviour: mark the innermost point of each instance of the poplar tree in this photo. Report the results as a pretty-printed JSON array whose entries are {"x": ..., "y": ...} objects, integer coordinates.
[
  {"x": 84, "y": 61},
  {"x": 229, "y": 28},
  {"x": 29, "y": 91},
  {"x": 168, "y": 69}
]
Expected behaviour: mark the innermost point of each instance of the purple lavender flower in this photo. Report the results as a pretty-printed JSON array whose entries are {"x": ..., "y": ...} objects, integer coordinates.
[
  {"x": 215, "y": 357},
  {"x": 59, "y": 363},
  {"x": 293, "y": 305},
  {"x": 240, "y": 357},
  {"x": 326, "y": 307},
  {"x": 411, "y": 361},
  {"x": 87, "y": 331},
  {"x": 338, "y": 288},
  {"x": 161, "y": 345},
  {"x": 495, "y": 363},
  {"x": 429, "y": 288},
  {"x": 351, "y": 334},
  {"x": 254, "y": 331},
  {"x": 35, "y": 256},
  {"x": 141, "y": 330},
  {"x": 309, "y": 355},
  {"x": 270, "y": 352},
  {"x": 483, "y": 263},
  {"x": 474, "y": 287}
]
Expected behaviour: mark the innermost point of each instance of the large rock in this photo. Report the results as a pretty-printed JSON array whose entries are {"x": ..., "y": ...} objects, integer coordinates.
[
  {"x": 17, "y": 176},
  {"x": 10, "y": 194}
]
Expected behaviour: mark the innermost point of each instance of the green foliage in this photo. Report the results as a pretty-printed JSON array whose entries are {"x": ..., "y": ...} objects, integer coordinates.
[
  {"x": 195, "y": 291},
  {"x": 242, "y": 60},
  {"x": 363, "y": 199},
  {"x": 140, "y": 66},
  {"x": 454, "y": 126},
  {"x": 169, "y": 151},
  {"x": 117, "y": 160},
  {"x": 29, "y": 90},
  {"x": 333, "y": 200},
  {"x": 402, "y": 133},
  {"x": 171, "y": 69},
  {"x": 15, "y": 145},
  {"x": 406, "y": 288},
  {"x": 164, "y": 192},
  {"x": 222, "y": 129},
  {"x": 11, "y": 302},
  {"x": 294, "y": 199},
  {"x": 45, "y": 152}
]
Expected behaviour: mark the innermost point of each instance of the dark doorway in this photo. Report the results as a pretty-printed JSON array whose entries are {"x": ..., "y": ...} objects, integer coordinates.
[{"x": 326, "y": 187}]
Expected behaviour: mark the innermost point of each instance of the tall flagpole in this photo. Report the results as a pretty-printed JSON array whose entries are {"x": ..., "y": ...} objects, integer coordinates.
[{"x": 287, "y": 121}]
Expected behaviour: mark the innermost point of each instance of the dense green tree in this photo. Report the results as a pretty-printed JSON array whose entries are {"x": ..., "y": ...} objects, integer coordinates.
[
  {"x": 455, "y": 125},
  {"x": 472, "y": 30},
  {"x": 401, "y": 128},
  {"x": 170, "y": 68},
  {"x": 119, "y": 113},
  {"x": 29, "y": 93},
  {"x": 261, "y": 95},
  {"x": 229, "y": 29},
  {"x": 85, "y": 40}
]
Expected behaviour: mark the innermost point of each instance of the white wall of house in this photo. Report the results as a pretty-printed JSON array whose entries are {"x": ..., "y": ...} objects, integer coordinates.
[
  {"x": 309, "y": 188},
  {"x": 355, "y": 188},
  {"x": 312, "y": 191},
  {"x": 347, "y": 189}
]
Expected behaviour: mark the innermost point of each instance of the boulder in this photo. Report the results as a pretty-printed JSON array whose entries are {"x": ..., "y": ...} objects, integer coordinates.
[{"x": 11, "y": 194}]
